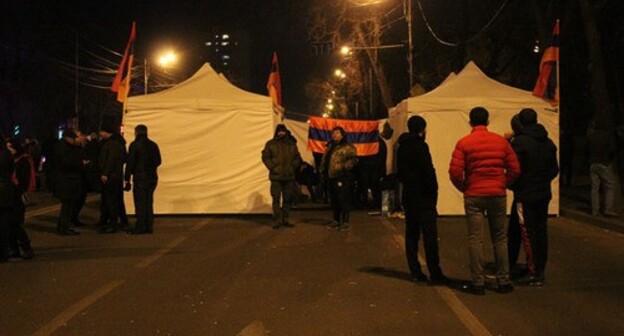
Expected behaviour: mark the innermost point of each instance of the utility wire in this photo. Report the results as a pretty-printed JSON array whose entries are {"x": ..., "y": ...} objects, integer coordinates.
[{"x": 477, "y": 35}]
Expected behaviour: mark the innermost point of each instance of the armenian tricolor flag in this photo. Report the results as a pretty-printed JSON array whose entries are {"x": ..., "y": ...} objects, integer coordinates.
[
  {"x": 121, "y": 83},
  {"x": 547, "y": 86},
  {"x": 274, "y": 83},
  {"x": 364, "y": 135}
]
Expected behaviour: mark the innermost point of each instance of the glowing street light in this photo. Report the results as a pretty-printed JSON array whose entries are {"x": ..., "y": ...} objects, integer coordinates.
[
  {"x": 167, "y": 59},
  {"x": 345, "y": 50}
]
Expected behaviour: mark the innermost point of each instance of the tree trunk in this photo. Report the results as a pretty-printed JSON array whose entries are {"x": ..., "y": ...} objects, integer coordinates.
[{"x": 378, "y": 71}]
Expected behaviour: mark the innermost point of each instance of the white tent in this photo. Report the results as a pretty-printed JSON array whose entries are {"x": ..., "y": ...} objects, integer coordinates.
[
  {"x": 211, "y": 135},
  {"x": 447, "y": 109}
]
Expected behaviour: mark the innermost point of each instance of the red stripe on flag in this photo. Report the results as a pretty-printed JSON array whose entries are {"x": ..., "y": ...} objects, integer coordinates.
[{"x": 123, "y": 66}]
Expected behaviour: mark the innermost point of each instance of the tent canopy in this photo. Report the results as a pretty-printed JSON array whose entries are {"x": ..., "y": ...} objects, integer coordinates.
[
  {"x": 447, "y": 108},
  {"x": 210, "y": 134}
]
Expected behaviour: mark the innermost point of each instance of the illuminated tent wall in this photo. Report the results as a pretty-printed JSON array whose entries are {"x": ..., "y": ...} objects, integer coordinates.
[
  {"x": 211, "y": 135},
  {"x": 447, "y": 109}
]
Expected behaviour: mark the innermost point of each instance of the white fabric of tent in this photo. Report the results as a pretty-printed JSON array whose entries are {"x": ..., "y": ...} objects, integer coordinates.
[
  {"x": 447, "y": 109},
  {"x": 211, "y": 134}
]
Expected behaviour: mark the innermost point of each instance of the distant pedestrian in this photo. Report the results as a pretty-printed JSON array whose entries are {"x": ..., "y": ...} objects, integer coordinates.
[
  {"x": 338, "y": 162},
  {"x": 482, "y": 166},
  {"x": 537, "y": 155},
  {"x": 143, "y": 162},
  {"x": 420, "y": 198},
  {"x": 69, "y": 167},
  {"x": 111, "y": 161},
  {"x": 601, "y": 147},
  {"x": 8, "y": 192},
  {"x": 24, "y": 180},
  {"x": 281, "y": 157}
]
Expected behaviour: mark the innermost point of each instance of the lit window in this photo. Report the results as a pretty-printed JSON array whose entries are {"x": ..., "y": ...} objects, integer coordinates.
[
  {"x": 225, "y": 63},
  {"x": 225, "y": 43},
  {"x": 225, "y": 36},
  {"x": 209, "y": 43},
  {"x": 225, "y": 57}
]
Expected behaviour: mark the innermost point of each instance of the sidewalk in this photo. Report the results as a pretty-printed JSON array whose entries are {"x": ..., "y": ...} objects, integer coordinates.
[{"x": 575, "y": 203}]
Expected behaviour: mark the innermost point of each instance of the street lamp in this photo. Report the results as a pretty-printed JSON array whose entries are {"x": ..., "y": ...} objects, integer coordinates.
[{"x": 167, "y": 59}]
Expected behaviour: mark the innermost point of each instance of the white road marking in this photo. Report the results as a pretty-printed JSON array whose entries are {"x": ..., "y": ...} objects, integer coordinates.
[
  {"x": 149, "y": 260},
  {"x": 61, "y": 319},
  {"x": 468, "y": 319}
]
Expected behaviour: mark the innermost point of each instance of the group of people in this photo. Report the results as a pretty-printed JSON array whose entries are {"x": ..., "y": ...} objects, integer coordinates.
[
  {"x": 483, "y": 166},
  {"x": 283, "y": 160},
  {"x": 75, "y": 168},
  {"x": 76, "y": 165}
]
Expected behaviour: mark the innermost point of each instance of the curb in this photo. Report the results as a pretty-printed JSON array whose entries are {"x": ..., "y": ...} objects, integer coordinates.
[{"x": 612, "y": 224}]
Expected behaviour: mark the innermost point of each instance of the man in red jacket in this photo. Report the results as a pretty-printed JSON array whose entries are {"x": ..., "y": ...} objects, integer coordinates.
[{"x": 482, "y": 167}]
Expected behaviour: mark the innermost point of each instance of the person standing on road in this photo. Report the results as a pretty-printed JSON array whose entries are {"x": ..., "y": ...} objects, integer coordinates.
[
  {"x": 537, "y": 155},
  {"x": 420, "y": 198},
  {"x": 601, "y": 147},
  {"x": 338, "y": 163},
  {"x": 143, "y": 161},
  {"x": 483, "y": 166},
  {"x": 281, "y": 157},
  {"x": 111, "y": 161},
  {"x": 24, "y": 179},
  {"x": 8, "y": 194},
  {"x": 69, "y": 183}
]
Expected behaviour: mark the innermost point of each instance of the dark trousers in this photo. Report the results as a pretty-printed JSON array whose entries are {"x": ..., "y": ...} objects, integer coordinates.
[
  {"x": 80, "y": 202},
  {"x": 423, "y": 220},
  {"x": 17, "y": 235},
  {"x": 68, "y": 206},
  {"x": 536, "y": 220},
  {"x": 517, "y": 236},
  {"x": 342, "y": 195},
  {"x": 282, "y": 195},
  {"x": 143, "y": 194},
  {"x": 112, "y": 193}
]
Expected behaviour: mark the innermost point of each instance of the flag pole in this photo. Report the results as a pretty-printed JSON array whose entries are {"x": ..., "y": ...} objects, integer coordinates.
[{"x": 557, "y": 90}]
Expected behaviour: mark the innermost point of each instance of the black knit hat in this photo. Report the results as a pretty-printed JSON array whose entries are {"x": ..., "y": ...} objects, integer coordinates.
[{"x": 416, "y": 124}]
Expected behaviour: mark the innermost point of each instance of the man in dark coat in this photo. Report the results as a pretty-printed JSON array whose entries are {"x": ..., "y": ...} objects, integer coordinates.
[
  {"x": 420, "y": 197},
  {"x": 7, "y": 198},
  {"x": 538, "y": 162},
  {"x": 281, "y": 157},
  {"x": 69, "y": 180},
  {"x": 143, "y": 161},
  {"x": 111, "y": 160}
]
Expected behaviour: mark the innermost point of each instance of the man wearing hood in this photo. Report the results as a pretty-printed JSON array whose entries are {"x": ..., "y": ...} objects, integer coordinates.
[
  {"x": 281, "y": 157},
  {"x": 532, "y": 191},
  {"x": 420, "y": 197},
  {"x": 111, "y": 160}
]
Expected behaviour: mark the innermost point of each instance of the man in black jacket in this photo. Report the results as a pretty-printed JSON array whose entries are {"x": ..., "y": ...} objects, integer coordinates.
[
  {"x": 420, "y": 197},
  {"x": 7, "y": 198},
  {"x": 538, "y": 162},
  {"x": 69, "y": 182},
  {"x": 143, "y": 161},
  {"x": 111, "y": 160},
  {"x": 281, "y": 157}
]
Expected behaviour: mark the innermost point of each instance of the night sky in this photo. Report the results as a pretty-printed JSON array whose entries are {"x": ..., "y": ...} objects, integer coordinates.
[{"x": 38, "y": 46}]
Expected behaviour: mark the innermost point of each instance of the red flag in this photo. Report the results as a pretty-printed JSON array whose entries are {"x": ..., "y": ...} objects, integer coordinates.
[
  {"x": 547, "y": 85},
  {"x": 274, "y": 84},
  {"x": 121, "y": 83}
]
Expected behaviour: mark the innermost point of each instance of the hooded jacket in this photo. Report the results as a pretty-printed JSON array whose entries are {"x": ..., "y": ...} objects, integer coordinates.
[
  {"x": 415, "y": 170},
  {"x": 538, "y": 161},
  {"x": 281, "y": 157}
]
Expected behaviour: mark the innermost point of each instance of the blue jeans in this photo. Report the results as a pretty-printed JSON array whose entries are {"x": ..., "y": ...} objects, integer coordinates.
[
  {"x": 477, "y": 209},
  {"x": 602, "y": 175}
]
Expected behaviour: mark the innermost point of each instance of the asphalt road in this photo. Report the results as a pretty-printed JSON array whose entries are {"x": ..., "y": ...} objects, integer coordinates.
[{"x": 234, "y": 275}]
